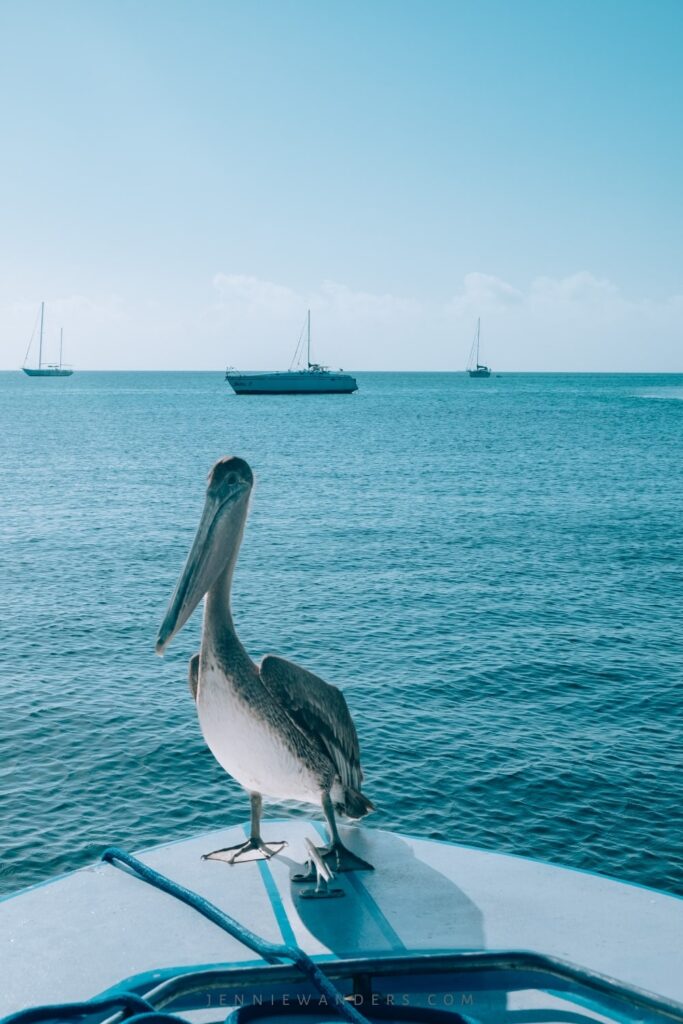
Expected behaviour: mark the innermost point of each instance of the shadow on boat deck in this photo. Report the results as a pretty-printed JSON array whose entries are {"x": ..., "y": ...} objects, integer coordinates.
[{"x": 404, "y": 904}]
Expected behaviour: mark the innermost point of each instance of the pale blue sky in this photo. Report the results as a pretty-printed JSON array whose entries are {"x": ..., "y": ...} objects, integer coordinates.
[{"x": 181, "y": 179}]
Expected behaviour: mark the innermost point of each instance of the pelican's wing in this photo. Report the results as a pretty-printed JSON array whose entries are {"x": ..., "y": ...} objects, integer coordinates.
[
  {"x": 193, "y": 675},
  {"x": 320, "y": 711}
]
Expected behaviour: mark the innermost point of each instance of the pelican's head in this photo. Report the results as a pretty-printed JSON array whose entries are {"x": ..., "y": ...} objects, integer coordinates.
[{"x": 215, "y": 545}]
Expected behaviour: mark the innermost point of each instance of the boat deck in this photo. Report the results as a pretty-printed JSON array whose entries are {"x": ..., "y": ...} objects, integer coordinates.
[{"x": 85, "y": 932}]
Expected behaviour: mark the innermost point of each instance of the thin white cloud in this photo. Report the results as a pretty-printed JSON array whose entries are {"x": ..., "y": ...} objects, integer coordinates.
[
  {"x": 581, "y": 288},
  {"x": 242, "y": 294},
  {"x": 576, "y": 322},
  {"x": 252, "y": 295},
  {"x": 364, "y": 306},
  {"x": 483, "y": 290}
]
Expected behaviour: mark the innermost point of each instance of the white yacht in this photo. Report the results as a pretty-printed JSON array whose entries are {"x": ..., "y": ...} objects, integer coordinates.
[{"x": 312, "y": 379}]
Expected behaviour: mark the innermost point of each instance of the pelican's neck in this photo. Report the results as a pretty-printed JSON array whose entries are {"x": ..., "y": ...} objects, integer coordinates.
[
  {"x": 219, "y": 628},
  {"x": 218, "y": 635}
]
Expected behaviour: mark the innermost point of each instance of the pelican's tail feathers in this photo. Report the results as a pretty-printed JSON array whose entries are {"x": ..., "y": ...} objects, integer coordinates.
[{"x": 356, "y": 805}]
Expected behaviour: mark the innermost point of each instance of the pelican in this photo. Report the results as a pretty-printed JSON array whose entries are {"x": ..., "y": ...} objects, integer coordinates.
[{"x": 278, "y": 729}]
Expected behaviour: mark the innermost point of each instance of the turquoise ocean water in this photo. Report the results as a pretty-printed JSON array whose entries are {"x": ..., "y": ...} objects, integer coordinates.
[{"x": 491, "y": 570}]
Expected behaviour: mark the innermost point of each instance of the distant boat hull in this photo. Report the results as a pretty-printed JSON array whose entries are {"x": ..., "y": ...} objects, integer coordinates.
[
  {"x": 301, "y": 382},
  {"x": 47, "y": 371},
  {"x": 481, "y": 371}
]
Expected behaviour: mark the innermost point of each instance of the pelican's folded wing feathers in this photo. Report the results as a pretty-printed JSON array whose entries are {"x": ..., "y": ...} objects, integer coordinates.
[
  {"x": 320, "y": 711},
  {"x": 193, "y": 675}
]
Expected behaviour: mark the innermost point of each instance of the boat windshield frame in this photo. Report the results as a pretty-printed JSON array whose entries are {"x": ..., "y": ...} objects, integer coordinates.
[{"x": 516, "y": 970}]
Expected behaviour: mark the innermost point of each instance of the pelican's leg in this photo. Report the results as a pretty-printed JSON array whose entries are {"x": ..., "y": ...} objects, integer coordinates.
[
  {"x": 254, "y": 848},
  {"x": 338, "y": 856}
]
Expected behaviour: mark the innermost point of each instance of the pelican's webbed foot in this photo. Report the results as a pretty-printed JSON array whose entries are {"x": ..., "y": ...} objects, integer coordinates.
[
  {"x": 253, "y": 849},
  {"x": 339, "y": 858},
  {"x": 318, "y": 869}
]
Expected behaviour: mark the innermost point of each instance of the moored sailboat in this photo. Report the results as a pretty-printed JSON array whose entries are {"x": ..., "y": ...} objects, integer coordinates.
[
  {"x": 313, "y": 379},
  {"x": 474, "y": 367},
  {"x": 46, "y": 369}
]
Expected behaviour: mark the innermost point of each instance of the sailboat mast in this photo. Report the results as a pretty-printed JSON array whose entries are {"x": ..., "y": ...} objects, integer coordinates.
[
  {"x": 308, "y": 357},
  {"x": 61, "y": 339},
  {"x": 40, "y": 347},
  {"x": 478, "y": 328}
]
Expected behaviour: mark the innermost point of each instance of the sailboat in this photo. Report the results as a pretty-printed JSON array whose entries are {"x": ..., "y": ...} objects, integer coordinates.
[
  {"x": 474, "y": 367},
  {"x": 313, "y": 379},
  {"x": 46, "y": 369}
]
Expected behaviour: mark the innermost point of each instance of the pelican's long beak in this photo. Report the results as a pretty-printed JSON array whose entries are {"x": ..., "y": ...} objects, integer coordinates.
[{"x": 214, "y": 548}]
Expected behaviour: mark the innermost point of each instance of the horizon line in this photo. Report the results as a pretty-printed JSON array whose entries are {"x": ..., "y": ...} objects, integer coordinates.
[{"x": 494, "y": 373}]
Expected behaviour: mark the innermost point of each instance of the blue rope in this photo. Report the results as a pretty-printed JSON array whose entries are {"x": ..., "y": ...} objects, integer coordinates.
[{"x": 270, "y": 952}]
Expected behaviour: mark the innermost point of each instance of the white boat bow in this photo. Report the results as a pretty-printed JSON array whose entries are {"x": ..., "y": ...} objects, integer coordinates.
[{"x": 101, "y": 927}]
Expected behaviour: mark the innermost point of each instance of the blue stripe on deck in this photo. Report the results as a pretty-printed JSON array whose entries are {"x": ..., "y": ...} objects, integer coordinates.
[
  {"x": 391, "y": 936},
  {"x": 288, "y": 936}
]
